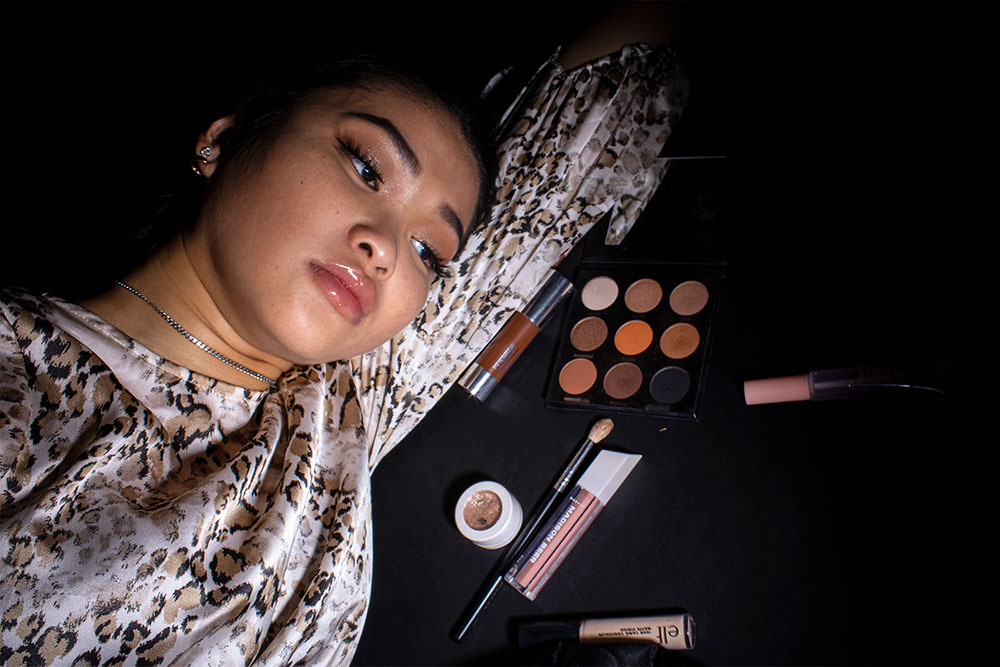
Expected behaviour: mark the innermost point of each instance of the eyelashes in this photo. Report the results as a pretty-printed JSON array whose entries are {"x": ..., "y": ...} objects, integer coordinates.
[
  {"x": 431, "y": 259},
  {"x": 363, "y": 163}
]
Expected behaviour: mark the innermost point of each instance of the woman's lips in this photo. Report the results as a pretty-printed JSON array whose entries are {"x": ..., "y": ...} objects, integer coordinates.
[{"x": 346, "y": 288}]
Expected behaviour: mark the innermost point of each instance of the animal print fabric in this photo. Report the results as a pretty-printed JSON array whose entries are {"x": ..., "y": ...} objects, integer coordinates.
[{"x": 150, "y": 515}]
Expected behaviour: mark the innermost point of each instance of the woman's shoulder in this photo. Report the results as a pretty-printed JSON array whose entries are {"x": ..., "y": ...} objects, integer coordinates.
[{"x": 23, "y": 315}]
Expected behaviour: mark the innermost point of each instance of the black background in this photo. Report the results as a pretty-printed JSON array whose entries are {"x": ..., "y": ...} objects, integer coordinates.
[{"x": 859, "y": 225}]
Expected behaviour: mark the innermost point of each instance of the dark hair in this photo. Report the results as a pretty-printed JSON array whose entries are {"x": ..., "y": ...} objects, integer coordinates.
[{"x": 261, "y": 116}]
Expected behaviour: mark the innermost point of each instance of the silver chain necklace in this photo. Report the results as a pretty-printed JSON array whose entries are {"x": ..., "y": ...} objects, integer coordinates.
[{"x": 197, "y": 343}]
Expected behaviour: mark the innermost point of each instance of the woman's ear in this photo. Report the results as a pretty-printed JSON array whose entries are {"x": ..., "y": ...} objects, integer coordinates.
[{"x": 208, "y": 147}]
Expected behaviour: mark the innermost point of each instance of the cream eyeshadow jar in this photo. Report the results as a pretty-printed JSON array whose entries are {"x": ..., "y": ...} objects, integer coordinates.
[{"x": 488, "y": 515}]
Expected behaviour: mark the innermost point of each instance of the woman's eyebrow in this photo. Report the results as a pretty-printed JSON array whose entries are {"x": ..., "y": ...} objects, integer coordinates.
[
  {"x": 397, "y": 138},
  {"x": 449, "y": 215}
]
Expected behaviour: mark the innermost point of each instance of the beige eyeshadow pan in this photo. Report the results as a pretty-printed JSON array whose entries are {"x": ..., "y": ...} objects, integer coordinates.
[{"x": 599, "y": 293}]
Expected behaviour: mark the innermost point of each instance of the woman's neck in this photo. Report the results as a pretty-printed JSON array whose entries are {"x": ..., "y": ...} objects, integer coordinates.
[{"x": 169, "y": 280}]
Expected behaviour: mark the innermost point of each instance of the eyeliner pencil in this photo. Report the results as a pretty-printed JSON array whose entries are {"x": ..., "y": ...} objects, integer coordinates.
[{"x": 598, "y": 432}]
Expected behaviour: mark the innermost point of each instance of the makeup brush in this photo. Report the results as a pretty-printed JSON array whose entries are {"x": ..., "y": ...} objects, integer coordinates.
[{"x": 598, "y": 432}]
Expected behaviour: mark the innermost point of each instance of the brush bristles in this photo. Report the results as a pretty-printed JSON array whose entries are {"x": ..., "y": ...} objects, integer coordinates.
[{"x": 600, "y": 430}]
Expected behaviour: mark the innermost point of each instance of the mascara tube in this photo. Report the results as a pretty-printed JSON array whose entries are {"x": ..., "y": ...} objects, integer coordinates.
[{"x": 489, "y": 368}]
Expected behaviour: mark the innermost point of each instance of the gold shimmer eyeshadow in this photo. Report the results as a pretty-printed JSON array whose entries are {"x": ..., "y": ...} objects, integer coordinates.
[
  {"x": 588, "y": 334},
  {"x": 679, "y": 340},
  {"x": 643, "y": 295},
  {"x": 633, "y": 337},
  {"x": 623, "y": 380},
  {"x": 689, "y": 297},
  {"x": 482, "y": 510},
  {"x": 577, "y": 376}
]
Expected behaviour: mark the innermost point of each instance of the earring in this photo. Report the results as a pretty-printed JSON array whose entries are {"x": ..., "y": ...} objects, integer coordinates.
[{"x": 203, "y": 159}]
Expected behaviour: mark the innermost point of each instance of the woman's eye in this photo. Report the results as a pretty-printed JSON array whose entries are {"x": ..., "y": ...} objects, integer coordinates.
[
  {"x": 430, "y": 258},
  {"x": 363, "y": 165}
]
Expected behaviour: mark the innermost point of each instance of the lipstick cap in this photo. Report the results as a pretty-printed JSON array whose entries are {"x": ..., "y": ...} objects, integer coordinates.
[{"x": 548, "y": 298}]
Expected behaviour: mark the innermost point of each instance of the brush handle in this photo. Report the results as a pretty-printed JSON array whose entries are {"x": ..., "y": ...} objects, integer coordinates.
[{"x": 492, "y": 584}]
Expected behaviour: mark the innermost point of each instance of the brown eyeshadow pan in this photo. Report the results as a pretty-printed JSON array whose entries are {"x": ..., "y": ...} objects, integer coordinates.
[
  {"x": 689, "y": 297},
  {"x": 680, "y": 340},
  {"x": 623, "y": 380},
  {"x": 588, "y": 334},
  {"x": 643, "y": 295}
]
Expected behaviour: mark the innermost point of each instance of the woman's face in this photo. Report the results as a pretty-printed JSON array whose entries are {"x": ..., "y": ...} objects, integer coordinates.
[{"x": 325, "y": 245}]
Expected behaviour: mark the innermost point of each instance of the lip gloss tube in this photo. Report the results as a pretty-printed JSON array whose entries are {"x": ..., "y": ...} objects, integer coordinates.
[
  {"x": 489, "y": 368},
  {"x": 560, "y": 533},
  {"x": 845, "y": 383}
]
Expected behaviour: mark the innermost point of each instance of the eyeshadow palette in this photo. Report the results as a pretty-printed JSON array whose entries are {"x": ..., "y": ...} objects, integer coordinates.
[{"x": 636, "y": 339}]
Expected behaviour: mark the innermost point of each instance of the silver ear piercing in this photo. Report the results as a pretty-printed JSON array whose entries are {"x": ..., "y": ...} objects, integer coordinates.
[{"x": 202, "y": 159}]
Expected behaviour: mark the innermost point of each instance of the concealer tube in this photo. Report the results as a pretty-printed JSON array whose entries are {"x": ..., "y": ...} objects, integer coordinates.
[
  {"x": 673, "y": 632},
  {"x": 489, "y": 368}
]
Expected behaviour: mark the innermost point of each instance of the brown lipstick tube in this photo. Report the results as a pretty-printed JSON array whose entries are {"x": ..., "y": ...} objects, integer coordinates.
[{"x": 489, "y": 368}]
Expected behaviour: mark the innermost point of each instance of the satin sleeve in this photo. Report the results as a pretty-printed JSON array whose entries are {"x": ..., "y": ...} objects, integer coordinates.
[{"x": 573, "y": 146}]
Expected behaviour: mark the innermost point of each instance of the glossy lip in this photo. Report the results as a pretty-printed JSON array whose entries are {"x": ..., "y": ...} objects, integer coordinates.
[{"x": 347, "y": 289}]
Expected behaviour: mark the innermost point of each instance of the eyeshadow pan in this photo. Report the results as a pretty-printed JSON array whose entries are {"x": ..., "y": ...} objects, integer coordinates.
[
  {"x": 643, "y": 295},
  {"x": 577, "y": 376},
  {"x": 588, "y": 334},
  {"x": 599, "y": 293},
  {"x": 633, "y": 337},
  {"x": 680, "y": 340},
  {"x": 622, "y": 380},
  {"x": 689, "y": 297},
  {"x": 670, "y": 384}
]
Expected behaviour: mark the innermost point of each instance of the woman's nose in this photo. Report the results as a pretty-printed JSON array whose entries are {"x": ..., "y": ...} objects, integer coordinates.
[{"x": 375, "y": 249}]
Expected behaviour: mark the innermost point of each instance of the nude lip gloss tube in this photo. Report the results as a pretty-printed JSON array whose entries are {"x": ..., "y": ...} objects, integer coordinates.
[
  {"x": 844, "y": 383},
  {"x": 486, "y": 372},
  {"x": 571, "y": 518}
]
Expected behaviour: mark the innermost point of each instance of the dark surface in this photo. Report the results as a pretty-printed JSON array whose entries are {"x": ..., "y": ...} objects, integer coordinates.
[{"x": 859, "y": 225}]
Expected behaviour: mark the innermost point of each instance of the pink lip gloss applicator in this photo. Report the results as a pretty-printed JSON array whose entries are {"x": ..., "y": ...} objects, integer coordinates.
[{"x": 843, "y": 383}]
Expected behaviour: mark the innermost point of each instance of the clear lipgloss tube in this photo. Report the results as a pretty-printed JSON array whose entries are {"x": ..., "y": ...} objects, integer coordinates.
[
  {"x": 550, "y": 545},
  {"x": 489, "y": 368}
]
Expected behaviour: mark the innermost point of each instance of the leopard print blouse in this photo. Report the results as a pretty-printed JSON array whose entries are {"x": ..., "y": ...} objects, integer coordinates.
[{"x": 150, "y": 515}]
